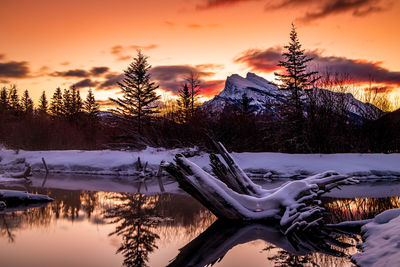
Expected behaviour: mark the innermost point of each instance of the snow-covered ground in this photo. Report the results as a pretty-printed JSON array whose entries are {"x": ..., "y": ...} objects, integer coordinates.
[
  {"x": 382, "y": 241},
  {"x": 257, "y": 165}
]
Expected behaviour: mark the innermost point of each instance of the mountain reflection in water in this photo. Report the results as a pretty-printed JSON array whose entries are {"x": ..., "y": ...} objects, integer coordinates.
[{"x": 171, "y": 229}]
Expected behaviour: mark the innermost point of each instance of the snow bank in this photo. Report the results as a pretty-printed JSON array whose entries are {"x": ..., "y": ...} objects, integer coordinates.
[
  {"x": 382, "y": 241},
  {"x": 257, "y": 165}
]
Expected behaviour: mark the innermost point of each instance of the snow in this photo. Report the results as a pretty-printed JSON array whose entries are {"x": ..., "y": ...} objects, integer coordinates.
[
  {"x": 382, "y": 241},
  {"x": 264, "y": 95},
  {"x": 256, "y": 165}
]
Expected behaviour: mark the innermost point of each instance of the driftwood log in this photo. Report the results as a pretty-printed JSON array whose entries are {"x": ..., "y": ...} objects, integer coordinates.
[{"x": 231, "y": 194}]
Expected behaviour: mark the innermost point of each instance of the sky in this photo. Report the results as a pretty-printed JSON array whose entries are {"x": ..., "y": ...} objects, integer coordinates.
[{"x": 45, "y": 44}]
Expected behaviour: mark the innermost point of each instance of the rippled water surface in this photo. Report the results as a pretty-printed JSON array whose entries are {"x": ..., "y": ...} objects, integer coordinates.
[{"x": 99, "y": 225}]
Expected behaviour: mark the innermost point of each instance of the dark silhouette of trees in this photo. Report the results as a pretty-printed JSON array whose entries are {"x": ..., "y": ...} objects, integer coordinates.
[
  {"x": 26, "y": 103},
  {"x": 57, "y": 103},
  {"x": 135, "y": 217},
  {"x": 43, "y": 104},
  {"x": 296, "y": 77},
  {"x": 139, "y": 96},
  {"x": 90, "y": 104},
  {"x": 184, "y": 104}
]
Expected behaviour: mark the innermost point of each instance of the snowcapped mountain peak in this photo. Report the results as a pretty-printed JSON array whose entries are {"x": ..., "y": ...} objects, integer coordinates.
[
  {"x": 265, "y": 96},
  {"x": 258, "y": 90}
]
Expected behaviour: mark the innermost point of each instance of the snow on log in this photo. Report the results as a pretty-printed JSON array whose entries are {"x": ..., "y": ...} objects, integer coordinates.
[
  {"x": 15, "y": 198},
  {"x": 232, "y": 195}
]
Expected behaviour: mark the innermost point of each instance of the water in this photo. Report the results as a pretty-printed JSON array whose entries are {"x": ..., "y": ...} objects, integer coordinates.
[{"x": 87, "y": 226}]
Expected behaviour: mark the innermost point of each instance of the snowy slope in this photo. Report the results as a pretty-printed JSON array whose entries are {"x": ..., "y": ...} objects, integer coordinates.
[
  {"x": 263, "y": 165},
  {"x": 267, "y": 96},
  {"x": 382, "y": 241}
]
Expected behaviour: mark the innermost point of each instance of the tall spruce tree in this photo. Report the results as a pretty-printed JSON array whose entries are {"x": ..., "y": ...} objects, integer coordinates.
[
  {"x": 90, "y": 104},
  {"x": 57, "y": 105},
  {"x": 296, "y": 76},
  {"x": 43, "y": 104},
  {"x": 4, "y": 100},
  {"x": 14, "y": 103},
  {"x": 139, "y": 95},
  {"x": 184, "y": 103},
  {"x": 26, "y": 103}
]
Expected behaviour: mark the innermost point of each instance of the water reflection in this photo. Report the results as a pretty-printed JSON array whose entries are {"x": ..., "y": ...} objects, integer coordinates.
[
  {"x": 142, "y": 225},
  {"x": 135, "y": 217},
  {"x": 295, "y": 249}
]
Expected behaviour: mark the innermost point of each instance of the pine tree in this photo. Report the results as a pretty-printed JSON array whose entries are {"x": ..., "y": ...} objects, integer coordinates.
[
  {"x": 296, "y": 77},
  {"x": 139, "y": 95},
  {"x": 90, "y": 104},
  {"x": 57, "y": 105},
  {"x": 184, "y": 103},
  {"x": 43, "y": 104},
  {"x": 14, "y": 105},
  {"x": 67, "y": 103},
  {"x": 26, "y": 103},
  {"x": 76, "y": 102},
  {"x": 4, "y": 100}
]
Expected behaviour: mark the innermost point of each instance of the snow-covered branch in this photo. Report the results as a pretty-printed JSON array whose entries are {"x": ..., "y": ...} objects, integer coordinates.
[{"x": 232, "y": 195}]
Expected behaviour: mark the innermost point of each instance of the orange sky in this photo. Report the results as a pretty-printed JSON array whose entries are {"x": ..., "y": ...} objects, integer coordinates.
[{"x": 47, "y": 43}]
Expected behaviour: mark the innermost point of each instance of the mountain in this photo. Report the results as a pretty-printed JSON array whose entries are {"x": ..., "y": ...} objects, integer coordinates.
[{"x": 265, "y": 96}]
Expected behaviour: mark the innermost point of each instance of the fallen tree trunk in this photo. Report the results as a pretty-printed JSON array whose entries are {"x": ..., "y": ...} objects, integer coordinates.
[
  {"x": 14, "y": 198},
  {"x": 232, "y": 195}
]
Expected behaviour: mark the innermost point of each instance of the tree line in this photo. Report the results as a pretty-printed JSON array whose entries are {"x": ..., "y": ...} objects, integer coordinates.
[{"x": 64, "y": 121}]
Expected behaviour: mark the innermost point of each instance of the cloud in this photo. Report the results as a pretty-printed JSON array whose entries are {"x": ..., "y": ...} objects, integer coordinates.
[
  {"x": 123, "y": 53},
  {"x": 99, "y": 70},
  {"x": 359, "y": 70},
  {"x": 85, "y": 83},
  {"x": 171, "y": 77},
  {"x": 324, "y": 8},
  {"x": 71, "y": 73},
  {"x": 2, "y": 56},
  {"x": 262, "y": 60},
  {"x": 14, "y": 69},
  {"x": 211, "y": 87},
  {"x": 321, "y": 8},
  {"x": 65, "y": 63},
  {"x": 110, "y": 81},
  {"x": 209, "y": 4}
]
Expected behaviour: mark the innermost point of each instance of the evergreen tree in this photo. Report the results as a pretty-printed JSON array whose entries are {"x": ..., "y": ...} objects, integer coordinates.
[
  {"x": 43, "y": 105},
  {"x": 57, "y": 104},
  {"x": 296, "y": 77},
  {"x": 90, "y": 104},
  {"x": 14, "y": 104},
  {"x": 4, "y": 100},
  {"x": 184, "y": 103},
  {"x": 76, "y": 102},
  {"x": 139, "y": 95},
  {"x": 26, "y": 103},
  {"x": 67, "y": 103}
]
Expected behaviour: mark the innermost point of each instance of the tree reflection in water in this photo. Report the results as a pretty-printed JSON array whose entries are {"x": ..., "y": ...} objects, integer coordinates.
[{"x": 136, "y": 217}]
